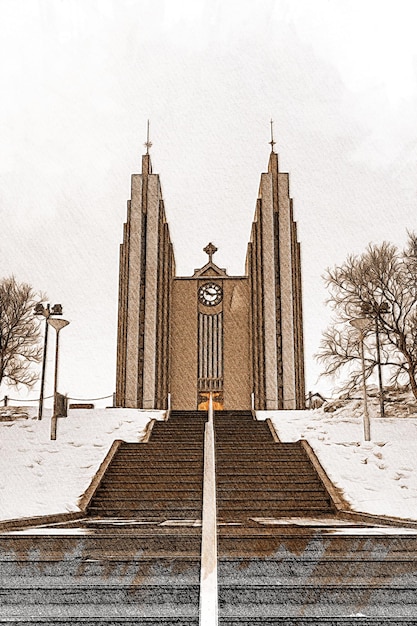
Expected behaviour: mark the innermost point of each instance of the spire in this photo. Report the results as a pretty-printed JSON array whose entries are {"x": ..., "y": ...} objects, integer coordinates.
[
  {"x": 148, "y": 143},
  {"x": 146, "y": 158},
  {"x": 272, "y": 142}
]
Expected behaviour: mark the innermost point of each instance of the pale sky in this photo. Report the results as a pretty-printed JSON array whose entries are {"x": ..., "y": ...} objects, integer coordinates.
[{"x": 80, "y": 78}]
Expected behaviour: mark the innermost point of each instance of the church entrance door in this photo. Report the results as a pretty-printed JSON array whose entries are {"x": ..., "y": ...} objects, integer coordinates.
[{"x": 203, "y": 401}]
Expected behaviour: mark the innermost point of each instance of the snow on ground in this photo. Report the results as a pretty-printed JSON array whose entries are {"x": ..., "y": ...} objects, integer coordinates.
[
  {"x": 43, "y": 477},
  {"x": 379, "y": 476}
]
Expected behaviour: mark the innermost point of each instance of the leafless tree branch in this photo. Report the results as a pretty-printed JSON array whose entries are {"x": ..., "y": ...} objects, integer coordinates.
[
  {"x": 19, "y": 333},
  {"x": 380, "y": 284}
]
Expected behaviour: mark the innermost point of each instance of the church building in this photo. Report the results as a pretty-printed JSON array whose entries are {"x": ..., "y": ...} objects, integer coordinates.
[{"x": 182, "y": 337}]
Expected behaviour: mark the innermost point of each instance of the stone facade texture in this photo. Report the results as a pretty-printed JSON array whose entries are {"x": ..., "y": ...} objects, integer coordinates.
[{"x": 246, "y": 348}]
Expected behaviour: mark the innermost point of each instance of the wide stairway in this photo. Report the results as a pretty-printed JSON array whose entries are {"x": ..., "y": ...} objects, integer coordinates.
[
  {"x": 158, "y": 480},
  {"x": 135, "y": 559},
  {"x": 258, "y": 478},
  {"x": 284, "y": 556},
  {"x": 314, "y": 573}
]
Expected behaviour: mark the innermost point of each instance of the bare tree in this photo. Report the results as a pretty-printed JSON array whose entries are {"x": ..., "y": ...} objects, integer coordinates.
[
  {"x": 380, "y": 284},
  {"x": 19, "y": 333}
]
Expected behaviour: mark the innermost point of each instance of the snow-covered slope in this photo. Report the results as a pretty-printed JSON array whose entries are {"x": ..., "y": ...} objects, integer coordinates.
[
  {"x": 39, "y": 476},
  {"x": 379, "y": 476},
  {"x": 42, "y": 477}
]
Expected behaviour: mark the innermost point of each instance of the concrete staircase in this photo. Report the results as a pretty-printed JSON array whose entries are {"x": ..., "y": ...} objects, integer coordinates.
[
  {"x": 107, "y": 576},
  {"x": 316, "y": 576},
  {"x": 135, "y": 559},
  {"x": 158, "y": 480},
  {"x": 283, "y": 555},
  {"x": 257, "y": 477}
]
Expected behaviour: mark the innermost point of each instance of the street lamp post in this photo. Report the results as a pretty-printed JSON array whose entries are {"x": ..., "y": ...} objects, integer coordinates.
[
  {"x": 375, "y": 311},
  {"x": 58, "y": 325},
  {"x": 46, "y": 311},
  {"x": 361, "y": 324}
]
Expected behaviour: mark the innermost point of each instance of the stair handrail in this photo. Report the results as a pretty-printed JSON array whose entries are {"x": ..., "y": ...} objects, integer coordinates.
[
  {"x": 210, "y": 409},
  {"x": 208, "y": 571},
  {"x": 168, "y": 411}
]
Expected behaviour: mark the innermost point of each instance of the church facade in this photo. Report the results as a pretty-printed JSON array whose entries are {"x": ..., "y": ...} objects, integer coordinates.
[{"x": 184, "y": 337}]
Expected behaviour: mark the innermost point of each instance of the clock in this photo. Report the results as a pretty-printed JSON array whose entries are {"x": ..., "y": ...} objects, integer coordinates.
[{"x": 210, "y": 294}]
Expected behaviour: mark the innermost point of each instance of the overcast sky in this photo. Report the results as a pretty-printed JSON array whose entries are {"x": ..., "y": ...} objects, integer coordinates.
[{"x": 80, "y": 78}]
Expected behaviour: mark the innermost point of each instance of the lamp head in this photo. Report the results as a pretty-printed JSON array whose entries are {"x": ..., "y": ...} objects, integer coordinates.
[
  {"x": 40, "y": 309},
  {"x": 57, "y": 324}
]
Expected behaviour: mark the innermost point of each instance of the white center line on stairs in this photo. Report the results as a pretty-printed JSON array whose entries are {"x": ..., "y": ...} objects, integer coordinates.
[{"x": 208, "y": 575}]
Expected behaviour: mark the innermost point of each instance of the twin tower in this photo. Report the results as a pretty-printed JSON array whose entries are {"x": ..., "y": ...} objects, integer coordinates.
[{"x": 239, "y": 337}]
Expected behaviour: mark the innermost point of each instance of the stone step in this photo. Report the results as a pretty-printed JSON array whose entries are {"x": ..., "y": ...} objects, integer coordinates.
[
  {"x": 191, "y": 465},
  {"x": 117, "y": 620},
  {"x": 169, "y": 438},
  {"x": 153, "y": 542},
  {"x": 358, "y": 619},
  {"x": 157, "y": 497},
  {"x": 101, "y": 581},
  {"x": 267, "y": 508},
  {"x": 103, "y": 595},
  {"x": 240, "y": 513},
  {"x": 158, "y": 447},
  {"x": 270, "y": 460},
  {"x": 186, "y": 424},
  {"x": 310, "y": 545},
  {"x": 151, "y": 505},
  {"x": 224, "y": 424},
  {"x": 269, "y": 495},
  {"x": 249, "y": 445},
  {"x": 148, "y": 486},
  {"x": 157, "y": 458},
  {"x": 145, "y": 613},
  {"x": 279, "y": 471},
  {"x": 151, "y": 445},
  {"x": 260, "y": 464},
  {"x": 163, "y": 463},
  {"x": 174, "y": 426},
  {"x": 253, "y": 428},
  {"x": 263, "y": 473},
  {"x": 137, "y": 473},
  {"x": 42, "y": 573},
  {"x": 324, "y": 600},
  {"x": 268, "y": 443},
  {"x": 152, "y": 480},
  {"x": 179, "y": 513},
  {"x": 164, "y": 451},
  {"x": 269, "y": 481},
  {"x": 229, "y": 424},
  {"x": 162, "y": 489},
  {"x": 179, "y": 429},
  {"x": 328, "y": 570},
  {"x": 254, "y": 458}
]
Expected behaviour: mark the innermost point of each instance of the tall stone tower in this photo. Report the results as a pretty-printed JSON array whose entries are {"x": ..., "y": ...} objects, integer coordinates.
[
  {"x": 237, "y": 337},
  {"x": 273, "y": 266},
  {"x": 147, "y": 268}
]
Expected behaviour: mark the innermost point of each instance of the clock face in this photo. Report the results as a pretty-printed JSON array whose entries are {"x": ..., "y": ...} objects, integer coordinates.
[{"x": 210, "y": 294}]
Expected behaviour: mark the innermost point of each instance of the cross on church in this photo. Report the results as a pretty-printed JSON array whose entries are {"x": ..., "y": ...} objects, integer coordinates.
[
  {"x": 210, "y": 250},
  {"x": 272, "y": 142}
]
